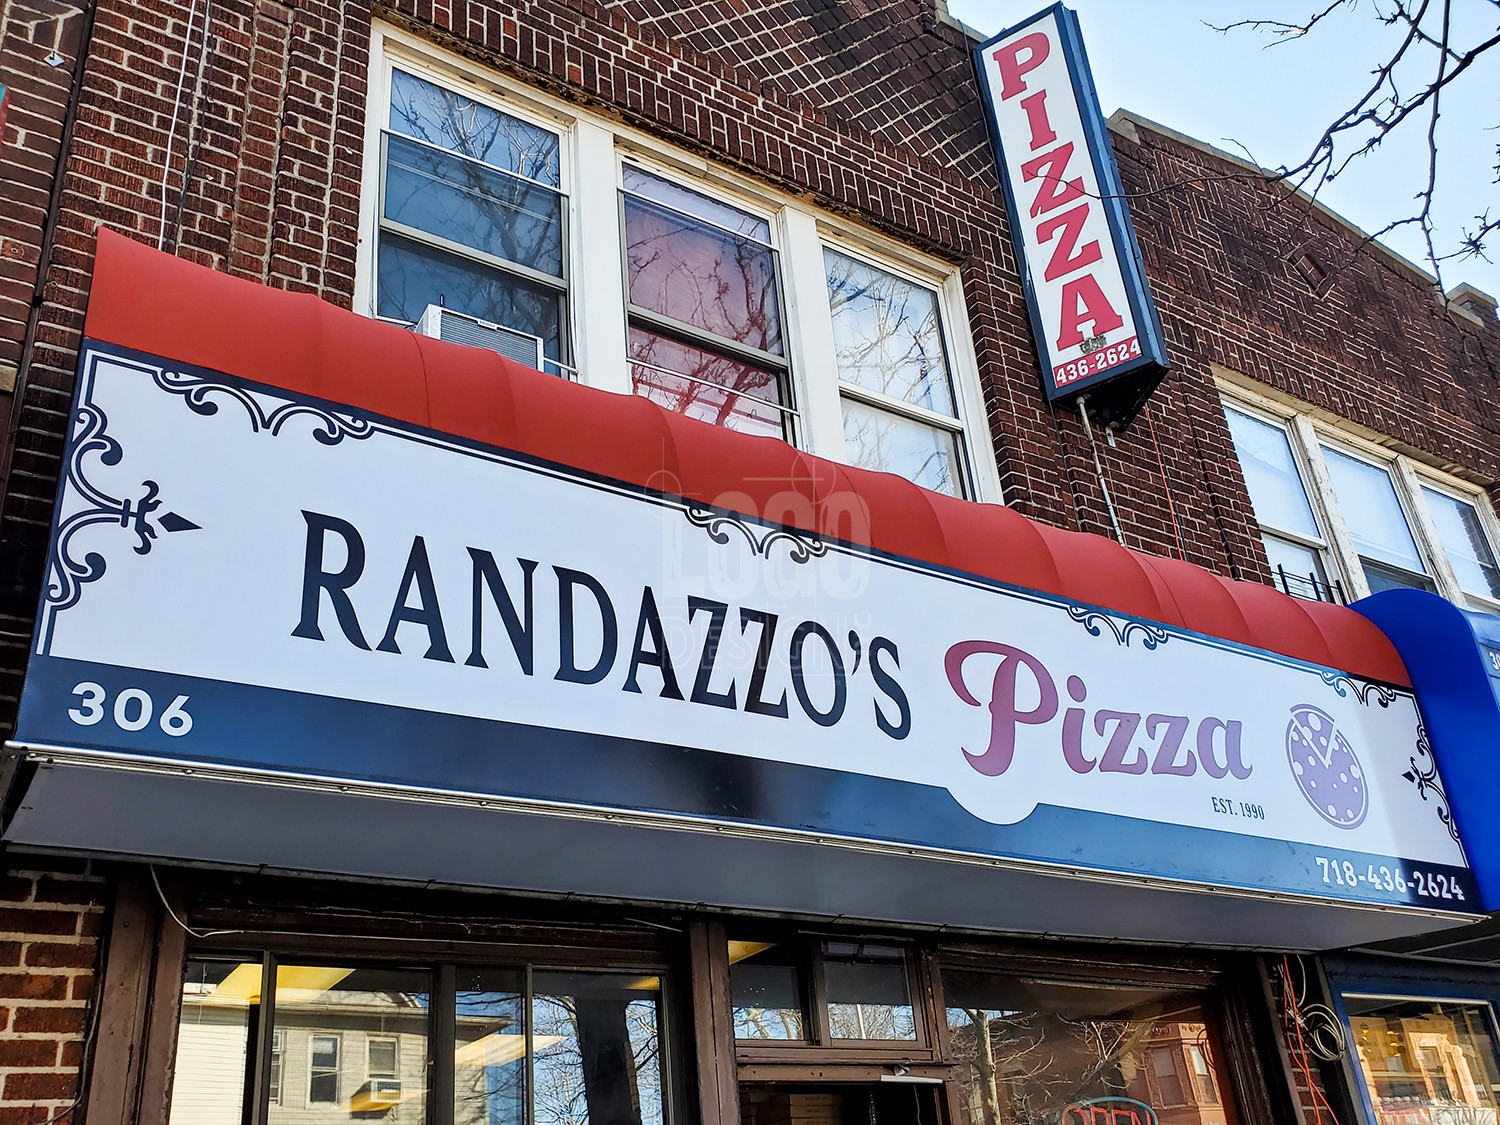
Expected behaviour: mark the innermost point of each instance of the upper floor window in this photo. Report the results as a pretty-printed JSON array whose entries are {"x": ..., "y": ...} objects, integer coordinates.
[
  {"x": 704, "y": 306},
  {"x": 643, "y": 270},
  {"x": 1377, "y": 521},
  {"x": 472, "y": 217},
  {"x": 900, "y": 413}
]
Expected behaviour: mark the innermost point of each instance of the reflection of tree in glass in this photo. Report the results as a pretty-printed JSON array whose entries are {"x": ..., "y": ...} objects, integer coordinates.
[
  {"x": 1024, "y": 1068},
  {"x": 482, "y": 205},
  {"x": 490, "y": 1064},
  {"x": 596, "y": 1061},
  {"x": 887, "y": 334},
  {"x": 721, "y": 284},
  {"x": 885, "y": 441},
  {"x": 767, "y": 1023}
]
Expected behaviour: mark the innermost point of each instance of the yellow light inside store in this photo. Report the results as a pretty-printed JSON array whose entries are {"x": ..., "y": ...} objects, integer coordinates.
[
  {"x": 295, "y": 984},
  {"x": 739, "y": 950}
]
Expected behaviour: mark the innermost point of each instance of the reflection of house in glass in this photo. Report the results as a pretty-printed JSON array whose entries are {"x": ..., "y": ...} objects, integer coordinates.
[
  {"x": 346, "y": 1044},
  {"x": 349, "y": 1044},
  {"x": 1425, "y": 1062},
  {"x": 1046, "y": 1053}
]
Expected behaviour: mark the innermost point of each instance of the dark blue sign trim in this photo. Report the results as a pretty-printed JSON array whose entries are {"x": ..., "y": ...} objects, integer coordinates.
[{"x": 299, "y": 734}]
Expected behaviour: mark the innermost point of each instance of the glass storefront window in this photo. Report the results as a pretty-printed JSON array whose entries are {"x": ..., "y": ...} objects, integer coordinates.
[
  {"x": 359, "y": 1043},
  {"x": 355, "y": 1043},
  {"x": 1431, "y": 1062},
  {"x": 1038, "y": 1052},
  {"x": 766, "y": 990},
  {"x": 489, "y": 1056},
  {"x": 868, "y": 994},
  {"x": 218, "y": 998},
  {"x": 596, "y": 1051}
]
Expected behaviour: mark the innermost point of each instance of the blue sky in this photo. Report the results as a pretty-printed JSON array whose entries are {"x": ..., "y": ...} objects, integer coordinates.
[{"x": 1158, "y": 59}]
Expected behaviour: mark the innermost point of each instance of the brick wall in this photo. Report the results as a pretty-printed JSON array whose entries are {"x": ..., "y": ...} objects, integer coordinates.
[
  {"x": 50, "y": 922},
  {"x": 866, "y": 109}
]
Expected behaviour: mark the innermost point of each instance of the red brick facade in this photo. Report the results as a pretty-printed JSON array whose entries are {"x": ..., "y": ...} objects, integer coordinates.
[
  {"x": 869, "y": 110},
  {"x": 50, "y": 922}
]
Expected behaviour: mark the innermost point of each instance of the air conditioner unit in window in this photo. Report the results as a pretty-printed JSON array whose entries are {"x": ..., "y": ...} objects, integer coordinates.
[
  {"x": 377, "y": 1094},
  {"x": 457, "y": 328}
]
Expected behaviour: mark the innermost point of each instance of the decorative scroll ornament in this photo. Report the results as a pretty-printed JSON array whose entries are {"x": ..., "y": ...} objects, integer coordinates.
[
  {"x": 68, "y": 574},
  {"x": 800, "y": 547},
  {"x": 198, "y": 393},
  {"x": 1423, "y": 774},
  {"x": 1362, "y": 689},
  {"x": 1152, "y": 636}
]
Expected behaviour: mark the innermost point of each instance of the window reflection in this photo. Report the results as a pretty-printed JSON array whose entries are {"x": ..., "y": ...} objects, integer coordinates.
[
  {"x": 441, "y": 117},
  {"x": 1464, "y": 541},
  {"x": 766, "y": 990},
  {"x": 596, "y": 1054},
  {"x": 924, "y": 454},
  {"x": 1377, "y": 523},
  {"x": 1425, "y": 1061},
  {"x": 887, "y": 333},
  {"x": 1035, "y": 1052},
  {"x": 489, "y": 1058},
  {"x": 868, "y": 991},
  {"x": 355, "y": 1044},
  {"x": 701, "y": 275},
  {"x": 220, "y": 1012}
]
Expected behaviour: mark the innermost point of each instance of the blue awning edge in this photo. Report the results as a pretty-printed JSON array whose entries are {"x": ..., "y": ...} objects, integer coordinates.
[{"x": 1453, "y": 657}]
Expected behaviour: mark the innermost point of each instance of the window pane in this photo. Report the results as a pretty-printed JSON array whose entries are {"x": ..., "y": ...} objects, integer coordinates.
[
  {"x": 867, "y": 991},
  {"x": 701, "y": 275},
  {"x": 923, "y": 454},
  {"x": 765, "y": 986},
  {"x": 213, "y": 1041},
  {"x": 413, "y": 276},
  {"x": 597, "y": 1057},
  {"x": 887, "y": 333},
  {"x": 1301, "y": 568},
  {"x": 1271, "y": 475},
  {"x": 1464, "y": 540},
  {"x": 1367, "y": 500},
  {"x": 489, "y": 1081},
  {"x": 1028, "y": 1050},
  {"x": 1168, "y": 1081},
  {"x": 330, "y": 1016},
  {"x": 440, "y": 117},
  {"x": 679, "y": 198},
  {"x": 383, "y": 1056},
  {"x": 706, "y": 386},
  {"x": 1425, "y": 1059},
  {"x": 468, "y": 203}
]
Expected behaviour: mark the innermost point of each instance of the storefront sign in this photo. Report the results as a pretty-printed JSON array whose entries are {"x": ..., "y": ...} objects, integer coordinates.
[
  {"x": 1091, "y": 311},
  {"x": 245, "y": 576}
]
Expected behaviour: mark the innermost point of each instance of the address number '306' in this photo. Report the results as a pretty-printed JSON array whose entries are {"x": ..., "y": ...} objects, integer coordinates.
[{"x": 132, "y": 710}]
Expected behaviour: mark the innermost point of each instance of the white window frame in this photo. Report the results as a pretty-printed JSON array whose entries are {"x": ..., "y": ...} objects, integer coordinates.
[
  {"x": 338, "y": 1066},
  {"x": 592, "y": 151},
  {"x": 370, "y": 1041},
  {"x": 1310, "y": 430}
]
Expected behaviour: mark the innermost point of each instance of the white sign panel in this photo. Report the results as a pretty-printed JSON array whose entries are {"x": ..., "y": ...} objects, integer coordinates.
[
  {"x": 1091, "y": 312},
  {"x": 242, "y": 576}
]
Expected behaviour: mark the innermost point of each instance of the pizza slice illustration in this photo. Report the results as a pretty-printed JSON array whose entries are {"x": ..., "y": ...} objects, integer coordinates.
[{"x": 1326, "y": 768}]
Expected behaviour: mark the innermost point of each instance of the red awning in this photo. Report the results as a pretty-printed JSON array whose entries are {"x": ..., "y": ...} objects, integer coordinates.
[{"x": 155, "y": 303}]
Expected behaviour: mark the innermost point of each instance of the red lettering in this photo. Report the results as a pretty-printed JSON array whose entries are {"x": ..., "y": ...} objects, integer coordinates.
[
  {"x": 1084, "y": 302},
  {"x": 1012, "y": 69},
  {"x": 1126, "y": 724},
  {"x": 1005, "y": 716},
  {"x": 1064, "y": 260},
  {"x": 1036, "y": 117},
  {"x": 1053, "y": 191}
]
